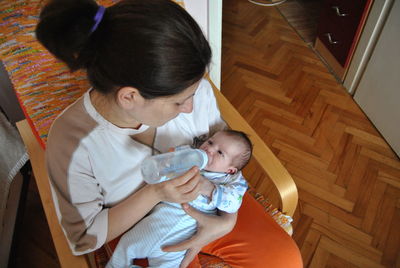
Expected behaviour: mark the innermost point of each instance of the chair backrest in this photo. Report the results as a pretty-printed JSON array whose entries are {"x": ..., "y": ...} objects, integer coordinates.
[{"x": 265, "y": 158}]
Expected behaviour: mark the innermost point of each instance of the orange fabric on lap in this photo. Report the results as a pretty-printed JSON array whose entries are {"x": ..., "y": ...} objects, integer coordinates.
[{"x": 257, "y": 241}]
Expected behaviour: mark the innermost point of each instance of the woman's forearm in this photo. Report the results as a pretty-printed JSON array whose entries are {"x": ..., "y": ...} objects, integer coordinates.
[
  {"x": 123, "y": 216},
  {"x": 228, "y": 220},
  {"x": 209, "y": 228},
  {"x": 127, "y": 213}
]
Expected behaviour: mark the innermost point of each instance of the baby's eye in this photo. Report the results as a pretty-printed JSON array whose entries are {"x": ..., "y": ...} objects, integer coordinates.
[
  {"x": 210, "y": 142},
  {"x": 220, "y": 152}
]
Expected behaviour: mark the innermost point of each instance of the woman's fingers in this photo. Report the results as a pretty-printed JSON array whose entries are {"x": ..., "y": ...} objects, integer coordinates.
[
  {"x": 191, "y": 184},
  {"x": 193, "y": 194},
  {"x": 194, "y": 213},
  {"x": 209, "y": 228},
  {"x": 183, "y": 179},
  {"x": 189, "y": 256},
  {"x": 180, "y": 246},
  {"x": 192, "y": 246},
  {"x": 181, "y": 189}
]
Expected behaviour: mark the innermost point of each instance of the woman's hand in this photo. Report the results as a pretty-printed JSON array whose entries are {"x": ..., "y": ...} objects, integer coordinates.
[
  {"x": 209, "y": 228},
  {"x": 206, "y": 187},
  {"x": 182, "y": 189}
]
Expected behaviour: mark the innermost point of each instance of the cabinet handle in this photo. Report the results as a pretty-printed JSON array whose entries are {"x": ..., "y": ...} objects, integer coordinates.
[
  {"x": 330, "y": 39},
  {"x": 336, "y": 8}
]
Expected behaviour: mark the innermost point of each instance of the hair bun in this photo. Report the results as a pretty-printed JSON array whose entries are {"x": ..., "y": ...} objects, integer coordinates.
[{"x": 64, "y": 29}]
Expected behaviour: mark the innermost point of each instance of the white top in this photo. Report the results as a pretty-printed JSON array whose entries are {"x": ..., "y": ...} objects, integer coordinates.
[{"x": 93, "y": 164}]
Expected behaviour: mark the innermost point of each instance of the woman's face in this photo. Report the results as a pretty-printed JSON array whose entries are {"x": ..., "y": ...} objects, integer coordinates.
[{"x": 156, "y": 112}]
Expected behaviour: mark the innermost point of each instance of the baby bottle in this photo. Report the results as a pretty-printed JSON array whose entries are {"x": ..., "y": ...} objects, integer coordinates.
[{"x": 160, "y": 167}]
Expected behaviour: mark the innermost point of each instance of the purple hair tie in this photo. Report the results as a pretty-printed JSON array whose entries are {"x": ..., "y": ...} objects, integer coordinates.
[{"x": 98, "y": 17}]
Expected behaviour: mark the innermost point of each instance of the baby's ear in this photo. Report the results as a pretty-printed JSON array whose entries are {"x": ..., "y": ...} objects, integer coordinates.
[{"x": 232, "y": 170}]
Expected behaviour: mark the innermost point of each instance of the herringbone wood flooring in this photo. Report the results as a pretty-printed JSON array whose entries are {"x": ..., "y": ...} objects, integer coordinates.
[{"x": 348, "y": 177}]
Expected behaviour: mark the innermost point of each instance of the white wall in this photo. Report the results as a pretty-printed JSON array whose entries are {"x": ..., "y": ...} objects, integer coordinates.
[
  {"x": 208, "y": 14},
  {"x": 378, "y": 92},
  {"x": 368, "y": 39},
  {"x": 199, "y": 11},
  {"x": 215, "y": 38}
]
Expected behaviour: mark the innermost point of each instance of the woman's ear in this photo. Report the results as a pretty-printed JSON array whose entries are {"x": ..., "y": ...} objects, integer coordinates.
[
  {"x": 232, "y": 170},
  {"x": 129, "y": 97}
]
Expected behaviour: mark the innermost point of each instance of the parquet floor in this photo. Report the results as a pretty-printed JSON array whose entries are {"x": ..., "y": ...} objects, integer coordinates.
[{"x": 348, "y": 177}]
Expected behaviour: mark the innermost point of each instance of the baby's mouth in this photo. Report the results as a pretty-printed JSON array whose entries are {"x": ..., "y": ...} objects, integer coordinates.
[{"x": 209, "y": 159}]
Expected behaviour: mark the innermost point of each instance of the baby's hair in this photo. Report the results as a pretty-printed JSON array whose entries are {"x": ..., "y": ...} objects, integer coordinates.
[
  {"x": 243, "y": 159},
  {"x": 152, "y": 45},
  {"x": 199, "y": 140}
]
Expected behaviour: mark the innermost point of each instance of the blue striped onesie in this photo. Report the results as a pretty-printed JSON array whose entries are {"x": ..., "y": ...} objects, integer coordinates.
[{"x": 168, "y": 224}]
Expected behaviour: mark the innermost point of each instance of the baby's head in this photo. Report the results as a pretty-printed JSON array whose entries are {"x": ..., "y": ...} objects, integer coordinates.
[{"x": 228, "y": 151}]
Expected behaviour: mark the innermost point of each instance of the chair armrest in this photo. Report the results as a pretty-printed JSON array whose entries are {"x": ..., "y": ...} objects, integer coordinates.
[
  {"x": 37, "y": 158},
  {"x": 264, "y": 156}
]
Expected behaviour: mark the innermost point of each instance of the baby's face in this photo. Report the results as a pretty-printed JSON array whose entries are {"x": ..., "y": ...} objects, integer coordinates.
[{"x": 221, "y": 150}]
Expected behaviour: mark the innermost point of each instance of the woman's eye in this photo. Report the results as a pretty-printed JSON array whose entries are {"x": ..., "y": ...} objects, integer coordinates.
[{"x": 210, "y": 142}]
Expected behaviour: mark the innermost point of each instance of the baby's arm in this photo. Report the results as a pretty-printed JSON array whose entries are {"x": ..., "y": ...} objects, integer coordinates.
[{"x": 228, "y": 193}]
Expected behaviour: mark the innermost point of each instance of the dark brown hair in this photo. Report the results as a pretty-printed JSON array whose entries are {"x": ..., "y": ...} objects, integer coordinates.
[{"x": 152, "y": 45}]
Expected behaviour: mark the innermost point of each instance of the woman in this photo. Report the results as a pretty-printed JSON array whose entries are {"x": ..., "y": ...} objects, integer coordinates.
[{"x": 145, "y": 60}]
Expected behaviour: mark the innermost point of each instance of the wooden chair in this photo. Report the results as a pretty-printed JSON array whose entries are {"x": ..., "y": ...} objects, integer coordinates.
[{"x": 262, "y": 154}]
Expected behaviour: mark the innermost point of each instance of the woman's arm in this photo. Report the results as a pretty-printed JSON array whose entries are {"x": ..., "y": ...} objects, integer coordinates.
[
  {"x": 123, "y": 216},
  {"x": 209, "y": 228},
  {"x": 207, "y": 187}
]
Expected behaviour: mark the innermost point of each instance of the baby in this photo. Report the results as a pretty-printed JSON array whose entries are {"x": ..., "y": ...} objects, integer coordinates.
[{"x": 228, "y": 152}]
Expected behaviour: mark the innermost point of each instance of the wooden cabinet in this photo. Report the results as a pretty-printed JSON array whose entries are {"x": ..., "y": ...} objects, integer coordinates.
[{"x": 339, "y": 27}]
